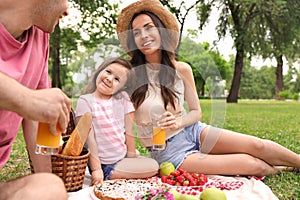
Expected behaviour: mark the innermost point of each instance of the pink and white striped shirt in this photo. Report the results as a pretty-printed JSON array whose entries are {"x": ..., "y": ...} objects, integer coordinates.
[{"x": 108, "y": 124}]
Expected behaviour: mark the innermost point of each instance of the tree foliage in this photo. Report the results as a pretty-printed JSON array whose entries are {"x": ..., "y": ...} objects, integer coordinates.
[
  {"x": 251, "y": 23},
  {"x": 181, "y": 12},
  {"x": 258, "y": 83},
  {"x": 277, "y": 34},
  {"x": 95, "y": 24},
  {"x": 207, "y": 65},
  {"x": 269, "y": 28}
]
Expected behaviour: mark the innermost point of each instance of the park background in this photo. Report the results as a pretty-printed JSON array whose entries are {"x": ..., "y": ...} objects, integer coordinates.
[{"x": 237, "y": 89}]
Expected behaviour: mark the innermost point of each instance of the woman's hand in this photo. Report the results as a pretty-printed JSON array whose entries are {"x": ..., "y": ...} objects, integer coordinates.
[
  {"x": 97, "y": 177},
  {"x": 170, "y": 121}
]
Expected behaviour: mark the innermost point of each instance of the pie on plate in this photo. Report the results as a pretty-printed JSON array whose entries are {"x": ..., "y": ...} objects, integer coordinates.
[{"x": 123, "y": 189}]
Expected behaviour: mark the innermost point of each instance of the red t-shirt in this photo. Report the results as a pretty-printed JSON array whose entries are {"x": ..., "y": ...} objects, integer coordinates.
[{"x": 26, "y": 62}]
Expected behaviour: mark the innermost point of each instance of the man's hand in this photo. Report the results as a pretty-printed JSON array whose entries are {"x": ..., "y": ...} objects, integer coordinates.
[
  {"x": 51, "y": 106},
  {"x": 47, "y": 105}
]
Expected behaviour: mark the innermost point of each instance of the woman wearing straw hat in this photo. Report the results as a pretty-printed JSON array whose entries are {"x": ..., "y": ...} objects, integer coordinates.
[{"x": 148, "y": 32}]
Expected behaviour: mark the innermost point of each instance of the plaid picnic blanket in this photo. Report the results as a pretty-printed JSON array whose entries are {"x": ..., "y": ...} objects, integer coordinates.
[
  {"x": 216, "y": 182},
  {"x": 235, "y": 188}
]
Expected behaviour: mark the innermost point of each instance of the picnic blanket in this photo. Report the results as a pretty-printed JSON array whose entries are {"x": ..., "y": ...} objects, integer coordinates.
[{"x": 235, "y": 188}]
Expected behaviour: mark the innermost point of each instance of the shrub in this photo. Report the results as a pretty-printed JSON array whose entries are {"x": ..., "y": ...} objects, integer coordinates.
[
  {"x": 295, "y": 96},
  {"x": 284, "y": 94}
]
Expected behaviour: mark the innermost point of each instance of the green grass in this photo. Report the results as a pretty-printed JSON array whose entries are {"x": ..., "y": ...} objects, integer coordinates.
[
  {"x": 18, "y": 164},
  {"x": 274, "y": 120}
]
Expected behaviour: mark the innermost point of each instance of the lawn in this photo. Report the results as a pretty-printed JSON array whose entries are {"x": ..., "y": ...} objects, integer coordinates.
[{"x": 274, "y": 120}]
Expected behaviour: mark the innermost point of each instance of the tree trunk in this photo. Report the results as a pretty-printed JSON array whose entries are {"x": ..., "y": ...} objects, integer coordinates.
[
  {"x": 279, "y": 77},
  {"x": 236, "y": 80},
  {"x": 202, "y": 88},
  {"x": 55, "y": 40}
]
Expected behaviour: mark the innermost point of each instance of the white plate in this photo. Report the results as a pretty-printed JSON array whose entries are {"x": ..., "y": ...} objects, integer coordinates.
[{"x": 93, "y": 196}]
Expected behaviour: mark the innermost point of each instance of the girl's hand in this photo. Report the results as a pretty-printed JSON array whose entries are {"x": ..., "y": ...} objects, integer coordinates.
[
  {"x": 170, "y": 121},
  {"x": 133, "y": 154},
  {"x": 97, "y": 177}
]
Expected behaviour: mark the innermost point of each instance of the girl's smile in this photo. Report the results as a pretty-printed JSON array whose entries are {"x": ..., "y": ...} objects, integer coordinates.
[{"x": 110, "y": 80}]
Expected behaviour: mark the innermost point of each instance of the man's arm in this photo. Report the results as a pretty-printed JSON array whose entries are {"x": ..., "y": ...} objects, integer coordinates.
[{"x": 47, "y": 105}]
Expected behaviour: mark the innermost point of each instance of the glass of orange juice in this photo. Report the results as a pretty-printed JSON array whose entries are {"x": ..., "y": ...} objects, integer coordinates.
[
  {"x": 46, "y": 142},
  {"x": 159, "y": 137}
]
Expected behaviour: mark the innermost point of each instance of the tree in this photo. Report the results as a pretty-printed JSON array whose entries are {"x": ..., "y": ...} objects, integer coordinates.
[
  {"x": 206, "y": 65},
  {"x": 257, "y": 83},
  {"x": 180, "y": 13},
  {"x": 277, "y": 34},
  {"x": 98, "y": 19},
  {"x": 242, "y": 13},
  {"x": 237, "y": 18}
]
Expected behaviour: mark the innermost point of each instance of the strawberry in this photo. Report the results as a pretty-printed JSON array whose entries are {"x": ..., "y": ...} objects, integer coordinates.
[
  {"x": 164, "y": 179},
  {"x": 193, "y": 183},
  {"x": 195, "y": 175},
  {"x": 185, "y": 183},
  {"x": 188, "y": 176},
  {"x": 177, "y": 184},
  {"x": 180, "y": 178},
  {"x": 200, "y": 182},
  {"x": 170, "y": 182},
  {"x": 177, "y": 173},
  {"x": 171, "y": 177},
  {"x": 203, "y": 178},
  {"x": 181, "y": 171}
]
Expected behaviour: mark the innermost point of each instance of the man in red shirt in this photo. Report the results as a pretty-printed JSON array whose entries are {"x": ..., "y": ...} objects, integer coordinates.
[{"x": 25, "y": 93}]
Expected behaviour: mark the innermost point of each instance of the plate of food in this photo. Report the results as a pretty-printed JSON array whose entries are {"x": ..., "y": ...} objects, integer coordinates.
[{"x": 124, "y": 189}]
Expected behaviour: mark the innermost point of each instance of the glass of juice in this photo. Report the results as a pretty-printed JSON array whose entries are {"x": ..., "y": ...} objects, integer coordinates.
[
  {"x": 46, "y": 143},
  {"x": 159, "y": 137}
]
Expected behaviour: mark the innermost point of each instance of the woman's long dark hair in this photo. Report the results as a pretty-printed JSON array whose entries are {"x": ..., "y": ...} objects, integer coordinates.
[{"x": 167, "y": 70}]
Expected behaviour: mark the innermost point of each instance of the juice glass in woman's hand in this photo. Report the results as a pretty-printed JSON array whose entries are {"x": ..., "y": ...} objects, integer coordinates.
[
  {"x": 159, "y": 137},
  {"x": 46, "y": 142}
]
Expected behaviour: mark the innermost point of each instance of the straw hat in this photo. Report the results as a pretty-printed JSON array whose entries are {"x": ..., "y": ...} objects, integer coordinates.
[{"x": 153, "y": 6}]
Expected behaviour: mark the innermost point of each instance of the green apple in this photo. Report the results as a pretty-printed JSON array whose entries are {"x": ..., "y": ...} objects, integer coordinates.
[
  {"x": 188, "y": 197},
  {"x": 166, "y": 168},
  {"x": 175, "y": 194},
  {"x": 213, "y": 194}
]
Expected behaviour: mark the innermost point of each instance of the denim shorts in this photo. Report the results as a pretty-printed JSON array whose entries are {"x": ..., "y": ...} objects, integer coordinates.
[{"x": 180, "y": 145}]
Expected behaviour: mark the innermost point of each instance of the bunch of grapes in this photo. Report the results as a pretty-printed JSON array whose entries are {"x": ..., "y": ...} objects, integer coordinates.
[{"x": 181, "y": 177}]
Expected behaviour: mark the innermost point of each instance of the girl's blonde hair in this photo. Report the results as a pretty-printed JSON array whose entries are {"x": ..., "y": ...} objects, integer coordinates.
[{"x": 92, "y": 85}]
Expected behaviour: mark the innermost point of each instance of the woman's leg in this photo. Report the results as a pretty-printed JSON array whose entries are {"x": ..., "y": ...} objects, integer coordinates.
[
  {"x": 221, "y": 141},
  {"x": 141, "y": 167},
  {"x": 227, "y": 164},
  {"x": 44, "y": 186},
  {"x": 228, "y": 153}
]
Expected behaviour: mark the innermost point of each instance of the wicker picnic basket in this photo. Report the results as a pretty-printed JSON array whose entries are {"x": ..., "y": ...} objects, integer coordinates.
[
  {"x": 71, "y": 169},
  {"x": 71, "y": 124}
]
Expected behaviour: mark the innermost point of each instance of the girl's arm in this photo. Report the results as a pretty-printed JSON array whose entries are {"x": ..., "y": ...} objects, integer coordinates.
[
  {"x": 94, "y": 161},
  {"x": 129, "y": 135}
]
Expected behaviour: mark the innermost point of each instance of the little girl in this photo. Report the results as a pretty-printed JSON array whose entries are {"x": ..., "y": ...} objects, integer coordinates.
[{"x": 111, "y": 139}]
